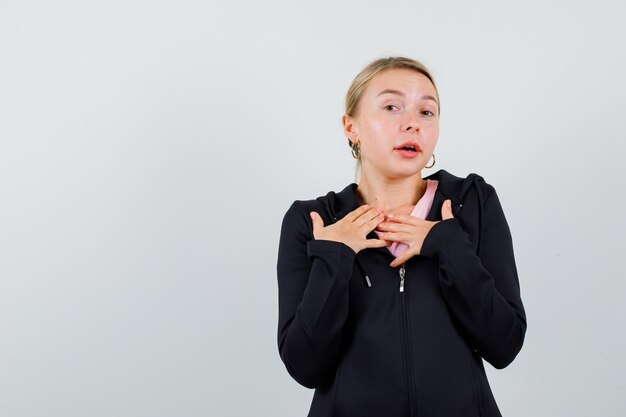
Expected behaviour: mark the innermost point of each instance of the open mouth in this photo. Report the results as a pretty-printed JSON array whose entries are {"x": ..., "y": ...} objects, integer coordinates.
[{"x": 408, "y": 151}]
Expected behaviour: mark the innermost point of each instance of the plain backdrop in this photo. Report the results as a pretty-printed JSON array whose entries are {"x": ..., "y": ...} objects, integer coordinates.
[{"x": 149, "y": 150}]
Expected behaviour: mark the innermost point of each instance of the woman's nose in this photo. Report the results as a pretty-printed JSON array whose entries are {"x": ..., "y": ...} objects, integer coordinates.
[{"x": 412, "y": 124}]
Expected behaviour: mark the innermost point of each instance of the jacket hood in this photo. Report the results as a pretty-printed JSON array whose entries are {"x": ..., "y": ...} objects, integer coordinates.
[{"x": 449, "y": 187}]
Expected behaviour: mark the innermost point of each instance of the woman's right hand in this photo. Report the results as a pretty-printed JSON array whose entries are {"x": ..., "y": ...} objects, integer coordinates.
[{"x": 352, "y": 230}]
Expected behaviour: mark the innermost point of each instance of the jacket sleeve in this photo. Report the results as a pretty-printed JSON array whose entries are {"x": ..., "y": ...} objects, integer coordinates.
[
  {"x": 313, "y": 282},
  {"x": 482, "y": 292}
]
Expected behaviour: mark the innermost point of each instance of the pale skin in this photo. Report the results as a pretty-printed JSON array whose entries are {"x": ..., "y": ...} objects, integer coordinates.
[{"x": 390, "y": 185}]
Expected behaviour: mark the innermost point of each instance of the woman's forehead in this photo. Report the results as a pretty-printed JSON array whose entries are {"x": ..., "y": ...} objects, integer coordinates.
[
  {"x": 403, "y": 80},
  {"x": 401, "y": 83}
]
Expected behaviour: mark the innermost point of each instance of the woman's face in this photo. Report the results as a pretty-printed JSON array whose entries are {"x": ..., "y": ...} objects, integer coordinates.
[{"x": 397, "y": 106}]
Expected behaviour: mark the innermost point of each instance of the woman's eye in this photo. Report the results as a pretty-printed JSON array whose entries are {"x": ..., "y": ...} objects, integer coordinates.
[
  {"x": 428, "y": 111},
  {"x": 389, "y": 105}
]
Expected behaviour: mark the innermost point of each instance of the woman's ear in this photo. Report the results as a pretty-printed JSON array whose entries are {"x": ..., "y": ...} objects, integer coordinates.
[{"x": 349, "y": 128}]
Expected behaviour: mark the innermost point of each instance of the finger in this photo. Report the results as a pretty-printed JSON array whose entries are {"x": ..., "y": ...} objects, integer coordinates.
[
  {"x": 354, "y": 214},
  {"x": 368, "y": 216},
  {"x": 376, "y": 243},
  {"x": 374, "y": 222},
  {"x": 403, "y": 218},
  {"x": 395, "y": 236},
  {"x": 317, "y": 220},
  {"x": 446, "y": 210},
  {"x": 402, "y": 258},
  {"x": 396, "y": 227}
]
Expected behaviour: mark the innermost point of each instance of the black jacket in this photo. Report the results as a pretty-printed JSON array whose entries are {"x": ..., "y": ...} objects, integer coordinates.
[{"x": 346, "y": 329}]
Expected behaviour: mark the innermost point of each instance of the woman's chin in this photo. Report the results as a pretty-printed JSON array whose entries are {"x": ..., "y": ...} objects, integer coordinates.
[{"x": 404, "y": 173}]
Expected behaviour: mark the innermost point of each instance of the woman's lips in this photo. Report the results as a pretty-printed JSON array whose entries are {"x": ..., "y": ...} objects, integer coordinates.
[{"x": 407, "y": 154}]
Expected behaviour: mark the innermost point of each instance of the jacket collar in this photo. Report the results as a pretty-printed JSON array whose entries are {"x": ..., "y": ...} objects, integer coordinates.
[{"x": 449, "y": 186}]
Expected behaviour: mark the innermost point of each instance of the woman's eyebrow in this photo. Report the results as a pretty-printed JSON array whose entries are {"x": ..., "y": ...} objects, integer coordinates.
[
  {"x": 390, "y": 91},
  {"x": 400, "y": 93}
]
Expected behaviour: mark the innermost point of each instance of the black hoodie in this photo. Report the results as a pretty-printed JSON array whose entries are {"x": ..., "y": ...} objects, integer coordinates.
[{"x": 375, "y": 343}]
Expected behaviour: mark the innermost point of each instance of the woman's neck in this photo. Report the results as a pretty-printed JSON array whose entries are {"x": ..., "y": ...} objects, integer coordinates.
[{"x": 397, "y": 196}]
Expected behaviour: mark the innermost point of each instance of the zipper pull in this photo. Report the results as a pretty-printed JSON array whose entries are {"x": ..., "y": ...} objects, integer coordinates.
[
  {"x": 367, "y": 279},
  {"x": 402, "y": 273}
]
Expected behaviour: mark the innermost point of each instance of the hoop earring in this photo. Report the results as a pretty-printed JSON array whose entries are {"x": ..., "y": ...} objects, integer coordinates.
[
  {"x": 433, "y": 162},
  {"x": 356, "y": 150}
]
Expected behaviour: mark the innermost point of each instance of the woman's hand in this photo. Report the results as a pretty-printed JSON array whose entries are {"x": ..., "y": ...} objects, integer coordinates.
[
  {"x": 410, "y": 230},
  {"x": 352, "y": 229}
]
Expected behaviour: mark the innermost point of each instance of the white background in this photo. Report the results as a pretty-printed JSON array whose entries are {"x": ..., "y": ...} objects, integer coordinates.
[{"x": 149, "y": 150}]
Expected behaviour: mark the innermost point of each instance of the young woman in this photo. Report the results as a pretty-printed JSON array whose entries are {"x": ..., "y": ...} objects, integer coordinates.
[{"x": 392, "y": 292}]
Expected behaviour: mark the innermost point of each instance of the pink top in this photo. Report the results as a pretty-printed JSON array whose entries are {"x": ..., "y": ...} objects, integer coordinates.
[{"x": 421, "y": 210}]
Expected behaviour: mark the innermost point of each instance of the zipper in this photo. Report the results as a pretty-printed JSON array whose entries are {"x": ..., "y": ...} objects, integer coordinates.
[{"x": 406, "y": 345}]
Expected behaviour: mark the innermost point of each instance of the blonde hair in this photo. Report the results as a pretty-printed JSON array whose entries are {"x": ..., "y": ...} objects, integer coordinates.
[{"x": 361, "y": 81}]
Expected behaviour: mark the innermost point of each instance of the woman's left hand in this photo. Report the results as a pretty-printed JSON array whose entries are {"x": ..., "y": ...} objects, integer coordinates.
[{"x": 410, "y": 230}]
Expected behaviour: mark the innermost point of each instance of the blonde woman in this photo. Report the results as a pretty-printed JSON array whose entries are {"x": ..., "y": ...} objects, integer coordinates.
[{"x": 393, "y": 291}]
